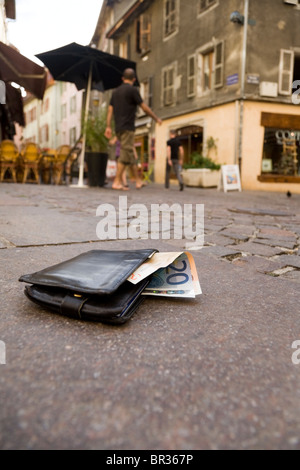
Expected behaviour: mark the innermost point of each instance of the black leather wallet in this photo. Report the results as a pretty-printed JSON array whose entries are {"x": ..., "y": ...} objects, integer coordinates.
[{"x": 92, "y": 286}]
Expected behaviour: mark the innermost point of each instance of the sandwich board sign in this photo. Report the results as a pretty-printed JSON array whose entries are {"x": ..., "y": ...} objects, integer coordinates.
[{"x": 230, "y": 178}]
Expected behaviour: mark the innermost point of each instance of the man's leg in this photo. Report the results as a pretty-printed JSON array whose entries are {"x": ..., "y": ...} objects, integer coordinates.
[
  {"x": 178, "y": 169},
  {"x": 167, "y": 180},
  {"x": 118, "y": 182},
  {"x": 122, "y": 161},
  {"x": 138, "y": 181}
]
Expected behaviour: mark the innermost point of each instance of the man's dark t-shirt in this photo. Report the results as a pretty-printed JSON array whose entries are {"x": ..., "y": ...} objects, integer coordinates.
[
  {"x": 125, "y": 100},
  {"x": 175, "y": 144}
]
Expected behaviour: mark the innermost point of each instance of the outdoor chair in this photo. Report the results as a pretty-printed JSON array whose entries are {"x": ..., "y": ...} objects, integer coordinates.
[
  {"x": 59, "y": 164},
  {"x": 148, "y": 170},
  {"x": 31, "y": 155},
  {"x": 46, "y": 165},
  {"x": 9, "y": 156}
]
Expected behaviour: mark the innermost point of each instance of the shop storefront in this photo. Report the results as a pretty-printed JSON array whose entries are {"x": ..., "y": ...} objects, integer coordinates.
[
  {"x": 271, "y": 147},
  {"x": 281, "y": 148}
]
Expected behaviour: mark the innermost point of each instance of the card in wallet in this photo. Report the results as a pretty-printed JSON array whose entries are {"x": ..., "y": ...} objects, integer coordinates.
[{"x": 92, "y": 286}]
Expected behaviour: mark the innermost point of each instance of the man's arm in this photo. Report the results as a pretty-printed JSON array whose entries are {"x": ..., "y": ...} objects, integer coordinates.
[
  {"x": 108, "y": 130},
  {"x": 181, "y": 155},
  {"x": 150, "y": 113},
  {"x": 169, "y": 155}
]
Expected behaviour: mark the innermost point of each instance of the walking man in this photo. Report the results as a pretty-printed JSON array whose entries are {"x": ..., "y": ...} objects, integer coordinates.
[
  {"x": 123, "y": 106},
  {"x": 175, "y": 157}
]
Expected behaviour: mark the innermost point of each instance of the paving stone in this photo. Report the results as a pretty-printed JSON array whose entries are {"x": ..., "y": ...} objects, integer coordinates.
[
  {"x": 218, "y": 239},
  {"x": 276, "y": 243},
  {"x": 265, "y": 212},
  {"x": 285, "y": 260},
  {"x": 210, "y": 373},
  {"x": 293, "y": 275},
  {"x": 257, "y": 249},
  {"x": 220, "y": 252},
  {"x": 277, "y": 234}
]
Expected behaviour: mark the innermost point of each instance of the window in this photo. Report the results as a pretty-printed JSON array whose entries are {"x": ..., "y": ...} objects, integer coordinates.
[
  {"x": 147, "y": 91},
  {"x": 286, "y": 68},
  {"x": 64, "y": 111},
  {"x": 191, "y": 70},
  {"x": 292, "y": 2},
  {"x": 281, "y": 150},
  {"x": 171, "y": 17},
  {"x": 123, "y": 50},
  {"x": 219, "y": 64},
  {"x": 210, "y": 73},
  {"x": 73, "y": 136},
  {"x": 168, "y": 88},
  {"x": 44, "y": 133},
  {"x": 31, "y": 115},
  {"x": 204, "y": 5},
  {"x": 73, "y": 105},
  {"x": 143, "y": 34},
  {"x": 45, "y": 106}
]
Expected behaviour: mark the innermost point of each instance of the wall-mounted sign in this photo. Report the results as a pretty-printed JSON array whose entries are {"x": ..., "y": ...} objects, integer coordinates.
[
  {"x": 230, "y": 178},
  {"x": 233, "y": 79},
  {"x": 253, "y": 79}
]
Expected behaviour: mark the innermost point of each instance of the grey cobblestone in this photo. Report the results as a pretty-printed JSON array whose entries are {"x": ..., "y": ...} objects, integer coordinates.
[{"x": 211, "y": 373}]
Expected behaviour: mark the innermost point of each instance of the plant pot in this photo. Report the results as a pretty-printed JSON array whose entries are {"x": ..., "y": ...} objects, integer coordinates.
[
  {"x": 201, "y": 177},
  {"x": 97, "y": 163}
]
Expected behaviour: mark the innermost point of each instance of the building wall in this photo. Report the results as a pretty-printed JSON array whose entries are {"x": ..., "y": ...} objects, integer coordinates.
[
  {"x": 274, "y": 27},
  {"x": 218, "y": 122},
  {"x": 3, "y": 29},
  {"x": 54, "y": 126}
]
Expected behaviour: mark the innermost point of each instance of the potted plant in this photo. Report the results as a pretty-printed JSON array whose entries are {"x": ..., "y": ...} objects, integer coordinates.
[
  {"x": 202, "y": 171},
  {"x": 96, "y": 154}
]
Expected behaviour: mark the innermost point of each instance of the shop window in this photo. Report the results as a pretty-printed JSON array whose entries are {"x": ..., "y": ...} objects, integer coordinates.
[{"x": 281, "y": 152}]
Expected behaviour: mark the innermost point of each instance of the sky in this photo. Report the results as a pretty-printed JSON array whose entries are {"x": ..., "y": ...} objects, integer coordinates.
[{"x": 44, "y": 25}]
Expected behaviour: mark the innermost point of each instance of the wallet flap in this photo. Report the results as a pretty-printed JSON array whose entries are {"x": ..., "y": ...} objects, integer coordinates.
[
  {"x": 95, "y": 272},
  {"x": 116, "y": 309}
]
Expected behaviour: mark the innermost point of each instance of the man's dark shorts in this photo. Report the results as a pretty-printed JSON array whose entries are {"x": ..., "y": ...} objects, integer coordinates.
[{"x": 126, "y": 139}]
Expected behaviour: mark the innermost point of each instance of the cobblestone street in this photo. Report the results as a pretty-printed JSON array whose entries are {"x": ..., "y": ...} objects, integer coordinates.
[{"x": 211, "y": 373}]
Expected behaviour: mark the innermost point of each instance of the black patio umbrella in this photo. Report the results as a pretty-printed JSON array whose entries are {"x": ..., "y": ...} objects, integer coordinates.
[
  {"x": 88, "y": 68},
  {"x": 14, "y": 67}
]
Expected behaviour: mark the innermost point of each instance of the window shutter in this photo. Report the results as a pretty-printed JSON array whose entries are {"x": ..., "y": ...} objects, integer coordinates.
[
  {"x": 191, "y": 76},
  {"x": 219, "y": 64},
  {"x": 150, "y": 96},
  {"x": 145, "y": 33},
  {"x": 286, "y": 70}
]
